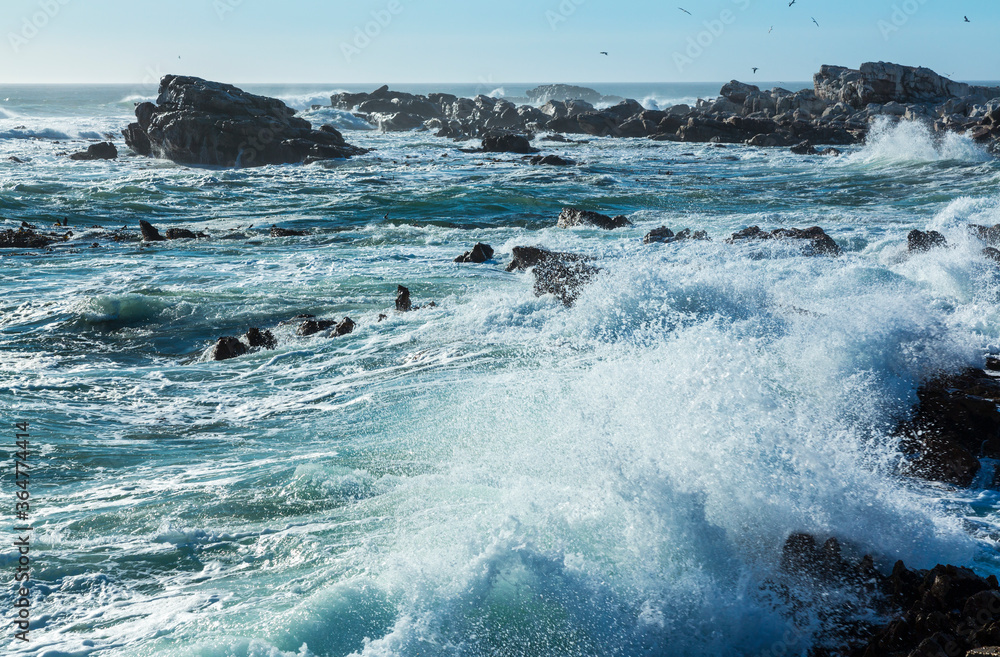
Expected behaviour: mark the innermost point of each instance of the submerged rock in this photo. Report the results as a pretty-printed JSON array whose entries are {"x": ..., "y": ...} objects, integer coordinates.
[
  {"x": 198, "y": 122},
  {"x": 286, "y": 232},
  {"x": 571, "y": 217},
  {"x": 552, "y": 161},
  {"x": 102, "y": 151},
  {"x": 183, "y": 234},
  {"x": 480, "y": 253}
]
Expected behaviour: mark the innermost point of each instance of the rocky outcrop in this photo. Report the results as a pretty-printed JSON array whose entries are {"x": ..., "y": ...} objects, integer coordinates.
[
  {"x": 664, "y": 235},
  {"x": 24, "y": 239},
  {"x": 837, "y": 111},
  {"x": 955, "y": 423},
  {"x": 286, "y": 232},
  {"x": 258, "y": 339},
  {"x": 566, "y": 92},
  {"x": 198, "y": 122},
  {"x": 403, "y": 302},
  {"x": 227, "y": 348},
  {"x": 918, "y": 240},
  {"x": 818, "y": 242},
  {"x": 556, "y": 273},
  {"x": 151, "y": 234},
  {"x": 882, "y": 83},
  {"x": 508, "y": 144},
  {"x": 572, "y": 217},
  {"x": 480, "y": 253},
  {"x": 102, "y": 151}
]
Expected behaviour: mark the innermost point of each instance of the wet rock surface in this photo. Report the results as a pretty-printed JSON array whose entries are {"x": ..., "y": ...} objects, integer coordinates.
[
  {"x": 480, "y": 253},
  {"x": 571, "y": 217},
  {"x": 198, "y": 122},
  {"x": 816, "y": 239},
  {"x": 102, "y": 151},
  {"x": 557, "y": 273}
]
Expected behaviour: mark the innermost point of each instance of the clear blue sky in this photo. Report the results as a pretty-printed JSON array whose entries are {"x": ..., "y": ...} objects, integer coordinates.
[{"x": 471, "y": 41}]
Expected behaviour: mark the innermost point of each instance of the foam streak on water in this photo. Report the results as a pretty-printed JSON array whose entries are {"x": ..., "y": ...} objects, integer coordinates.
[{"x": 499, "y": 474}]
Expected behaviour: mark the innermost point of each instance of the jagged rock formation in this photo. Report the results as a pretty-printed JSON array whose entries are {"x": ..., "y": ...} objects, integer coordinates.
[
  {"x": 198, "y": 122},
  {"x": 838, "y": 110}
]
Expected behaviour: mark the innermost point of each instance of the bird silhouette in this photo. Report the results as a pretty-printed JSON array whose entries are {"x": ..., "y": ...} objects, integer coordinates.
[
  {"x": 791, "y": 3},
  {"x": 605, "y": 54},
  {"x": 755, "y": 70},
  {"x": 685, "y": 11},
  {"x": 771, "y": 30},
  {"x": 814, "y": 21},
  {"x": 967, "y": 19}
]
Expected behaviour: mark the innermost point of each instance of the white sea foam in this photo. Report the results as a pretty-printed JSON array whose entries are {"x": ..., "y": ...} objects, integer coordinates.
[{"x": 912, "y": 142}]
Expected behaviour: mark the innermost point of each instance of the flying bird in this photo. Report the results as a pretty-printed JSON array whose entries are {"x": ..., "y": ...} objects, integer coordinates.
[
  {"x": 967, "y": 19},
  {"x": 791, "y": 3},
  {"x": 685, "y": 11},
  {"x": 771, "y": 30},
  {"x": 605, "y": 54},
  {"x": 814, "y": 21},
  {"x": 755, "y": 70}
]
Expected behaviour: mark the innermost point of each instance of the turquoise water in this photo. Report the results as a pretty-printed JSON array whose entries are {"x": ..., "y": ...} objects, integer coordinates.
[{"x": 498, "y": 474}]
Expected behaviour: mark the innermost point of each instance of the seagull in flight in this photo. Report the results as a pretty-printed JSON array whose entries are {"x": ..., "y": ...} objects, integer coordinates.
[
  {"x": 791, "y": 3},
  {"x": 604, "y": 53},
  {"x": 814, "y": 21},
  {"x": 685, "y": 11},
  {"x": 755, "y": 70},
  {"x": 771, "y": 30},
  {"x": 967, "y": 19}
]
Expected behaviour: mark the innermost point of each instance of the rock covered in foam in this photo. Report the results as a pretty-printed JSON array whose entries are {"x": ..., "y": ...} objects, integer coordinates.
[{"x": 571, "y": 217}]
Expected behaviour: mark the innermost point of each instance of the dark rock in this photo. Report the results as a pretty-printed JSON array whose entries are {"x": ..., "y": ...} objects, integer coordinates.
[
  {"x": 480, "y": 253},
  {"x": 286, "y": 232},
  {"x": 15, "y": 159},
  {"x": 182, "y": 234},
  {"x": 830, "y": 151},
  {"x": 551, "y": 160},
  {"x": 988, "y": 234},
  {"x": 992, "y": 253},
  {"x": 24, "y": 239},
  {"x": 666, "y": 236},
  {"x": 314, "y": 326},
  {"x": 227, "y": 348},
  {"x": 560, "y": 274},
  {"x": 208, "y": 123},
  {"x": 563, "y": 92},
  {"x": 804, "y": 148},
  {"x": 882, "y": 83},
  {"x": 571, "y": 217},
  {"x": 820, "y": 243},
  {"x": 258, "y": 339},
  {"x": 345, "y": 327},
  {"x": 955, "y": 418},
  {"x": 403, "y": 303},
  {"x": 661, "y": 234},
  {"x": 507, "y": 144},
  {"x": 102, "y": 151},
  {"x": 149, "y": 232},
  {"x": 918, "y": 240}
]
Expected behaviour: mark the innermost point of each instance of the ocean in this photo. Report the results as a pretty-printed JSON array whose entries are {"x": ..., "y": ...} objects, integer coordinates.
[{"x": 498, "y": 474}]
